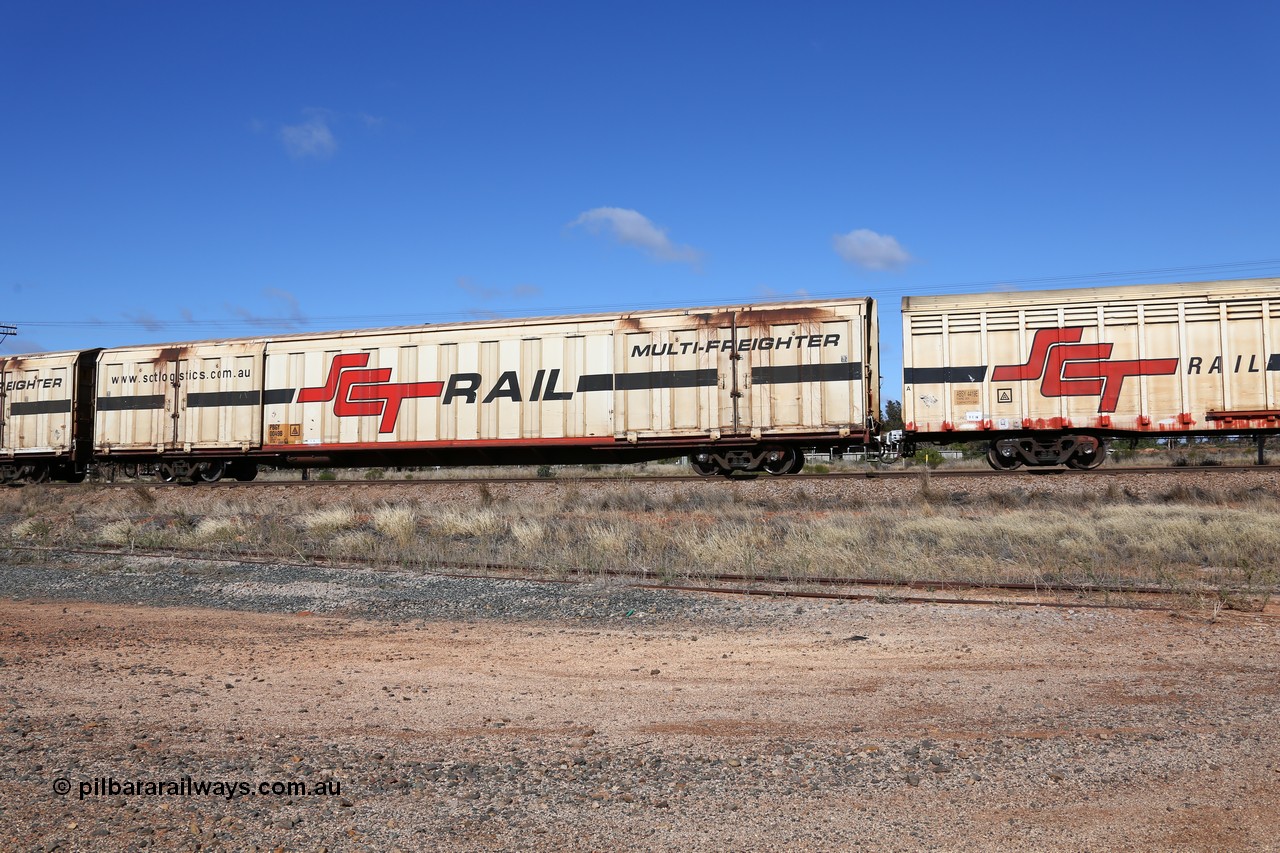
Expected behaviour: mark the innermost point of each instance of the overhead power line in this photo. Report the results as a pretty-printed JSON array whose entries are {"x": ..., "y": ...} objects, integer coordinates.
[{"x": 280, "y": 325}]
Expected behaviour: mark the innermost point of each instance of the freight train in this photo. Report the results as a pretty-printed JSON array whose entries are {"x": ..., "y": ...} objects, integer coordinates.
[{"x": 1043, "y": 378}]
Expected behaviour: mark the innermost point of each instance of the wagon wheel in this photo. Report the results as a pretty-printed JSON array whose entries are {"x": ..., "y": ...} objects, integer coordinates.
[
  {"x": 1000, "y": 462},
  {"x": 781, "y": 460},
  {"x": 210, "y": 472},
  {"x": 36, "y": 473},
  {"x": 704, "y": 469},
  {"x": 1083, "y": 461}
]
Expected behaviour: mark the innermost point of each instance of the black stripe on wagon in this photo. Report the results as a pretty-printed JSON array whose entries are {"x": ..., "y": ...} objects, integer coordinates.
[
  {"x": 648, "y": 381},
  {"x": 937, "y": 375},
  {"x": 275, "y": 396},
  {"x": 40, "y": 407},
  {"x": 130, "y": 404},
  {"x": 209, "y": 399},
  {"x": 595, "y": 382},
  {"x": 789, "y": 374}
]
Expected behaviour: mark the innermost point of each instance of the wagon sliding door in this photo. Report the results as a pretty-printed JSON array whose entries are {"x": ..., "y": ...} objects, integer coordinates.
[
  {"x": 809, "y": 374},
  {"x": 219, "y": 397},
  {"x": 136, "y": 401},
  {"x": 672, "y": 381}
]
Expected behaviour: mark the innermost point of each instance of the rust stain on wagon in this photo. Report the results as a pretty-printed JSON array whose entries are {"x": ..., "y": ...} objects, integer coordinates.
[
  {"x": 765, "y": 317},
  {"x": 784, "y": 316},
  {"x": 171, "y": 354},
  {"x": 722, "y": 319}
]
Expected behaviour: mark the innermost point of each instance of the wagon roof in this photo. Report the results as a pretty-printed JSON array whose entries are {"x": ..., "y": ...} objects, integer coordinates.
[
  {"x": 1247, "y": 288},
  {"x": 799, "y": 306}
]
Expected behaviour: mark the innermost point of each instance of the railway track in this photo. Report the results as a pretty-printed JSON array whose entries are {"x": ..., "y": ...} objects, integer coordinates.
[
  {"x": 870, "y": 474},
  {"x": 885, "y": 590}
]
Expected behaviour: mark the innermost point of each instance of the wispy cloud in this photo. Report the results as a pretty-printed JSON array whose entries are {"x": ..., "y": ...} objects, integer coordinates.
[
  {"x": 144, "y": 319},
  {"x": 15, "y": 345},
  {"x": 632, "y": 228},
  {"x": 290, "y": 317},
  {"x": 865, "y": 248},
  {"x": 484, "y": 294},
  {"x": 492, "y": 294},
  {"x": 766, "y": 292},
  {"x": 313, "y": 138}
]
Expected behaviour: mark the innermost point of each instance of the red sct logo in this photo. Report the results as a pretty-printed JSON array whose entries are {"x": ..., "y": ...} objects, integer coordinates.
[
  {"x": 1073, "y": 369},
  {"x": 356, "y": 391}
]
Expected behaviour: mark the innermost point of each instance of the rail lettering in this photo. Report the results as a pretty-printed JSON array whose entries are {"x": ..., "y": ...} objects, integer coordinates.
[
  {"x": 727, "y": 345},
  {"x": 356, "y": 390},
  {"x": 43, "y": 383}
]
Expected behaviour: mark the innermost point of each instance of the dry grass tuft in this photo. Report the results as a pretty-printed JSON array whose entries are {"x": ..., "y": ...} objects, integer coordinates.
[
  {"x": 467, "y": 523},
  {"x": 328, "y": 520},
  {"x": 212, "y": 529},
  {"x": 358, "y": 545},
  {"x": 397, "y": 523},
  {"x": 528, "y": 533},
  {"x": 124, "y": 532},
  {"x": 36, "y": 527}
]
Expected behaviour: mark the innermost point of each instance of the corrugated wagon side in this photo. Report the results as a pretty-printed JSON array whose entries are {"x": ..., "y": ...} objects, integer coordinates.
[
  {"x": 194, "y": 410},
  {"x": 46, "y": 416},
  {"x": 1048, "y": 377}
]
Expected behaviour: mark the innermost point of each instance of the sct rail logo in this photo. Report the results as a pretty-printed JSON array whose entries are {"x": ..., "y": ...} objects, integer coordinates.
[
  {"x": 356, "y": 391},
  {"x": 1072, "y": 369}
]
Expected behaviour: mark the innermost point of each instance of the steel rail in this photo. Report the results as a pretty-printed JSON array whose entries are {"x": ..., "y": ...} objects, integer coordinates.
[
  {"x": 644, "y": 580},
  {"x": 917, "y": 473}
]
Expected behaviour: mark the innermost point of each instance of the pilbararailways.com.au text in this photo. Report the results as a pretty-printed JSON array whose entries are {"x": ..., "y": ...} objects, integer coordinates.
[{"x": 109, "y": 786}]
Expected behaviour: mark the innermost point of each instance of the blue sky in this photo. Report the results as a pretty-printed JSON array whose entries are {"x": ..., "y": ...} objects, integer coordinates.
[{"x": 173, "y": 171}]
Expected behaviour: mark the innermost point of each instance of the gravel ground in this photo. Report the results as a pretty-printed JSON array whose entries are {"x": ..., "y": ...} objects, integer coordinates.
[{"x": 438, "y": 713}]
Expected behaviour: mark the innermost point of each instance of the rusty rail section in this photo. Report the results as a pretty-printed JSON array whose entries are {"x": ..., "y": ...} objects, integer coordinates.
[
  {"x": 871, "y": 474},
  {"x": 732, "y": 584}
]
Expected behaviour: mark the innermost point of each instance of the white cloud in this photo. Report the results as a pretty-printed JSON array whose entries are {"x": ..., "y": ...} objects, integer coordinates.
[
  {"x": 631, "y": 228},
  {"x": 865, "y": 248},
  {"x": 311, "y": 138}
]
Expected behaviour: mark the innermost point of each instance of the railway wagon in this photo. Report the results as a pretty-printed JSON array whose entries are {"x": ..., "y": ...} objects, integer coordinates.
[
  {"x": 738, "y": 389},
  {"x": 1049, "y": 377},
  {"x": 192, "y": 409},
  {"x": 46, "y": 416}
]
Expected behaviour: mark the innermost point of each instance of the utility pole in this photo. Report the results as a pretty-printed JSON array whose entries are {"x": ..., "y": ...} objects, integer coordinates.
[{"x": 7, "y": 330}]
